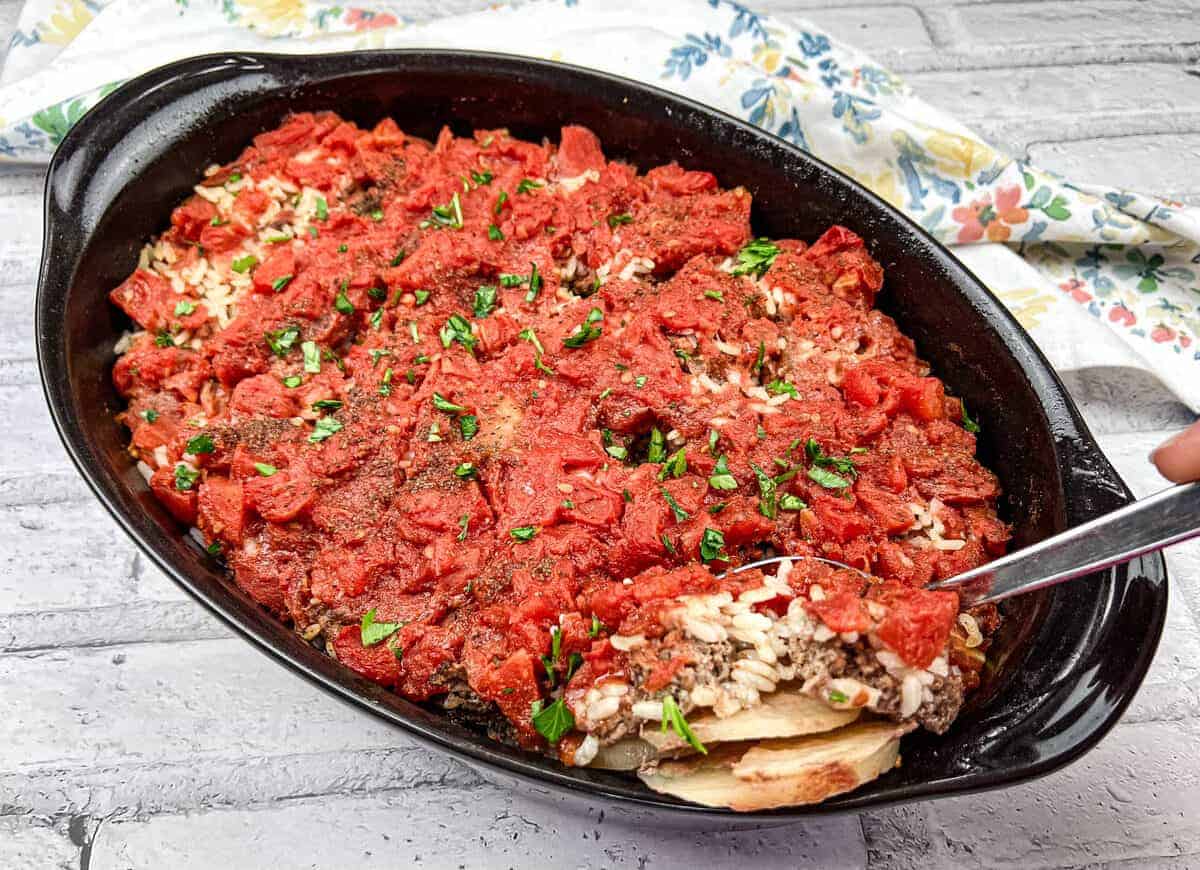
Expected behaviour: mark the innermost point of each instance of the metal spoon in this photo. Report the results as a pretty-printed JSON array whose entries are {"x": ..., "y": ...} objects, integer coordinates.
[{"x": 1148, "y": 524}]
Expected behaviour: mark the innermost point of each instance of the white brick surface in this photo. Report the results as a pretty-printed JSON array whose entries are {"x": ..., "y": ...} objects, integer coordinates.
[{"x": 136, "y": 732}]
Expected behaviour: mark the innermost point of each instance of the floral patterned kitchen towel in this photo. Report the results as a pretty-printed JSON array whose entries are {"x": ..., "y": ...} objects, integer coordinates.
[{"x": 1100, "y": 276}]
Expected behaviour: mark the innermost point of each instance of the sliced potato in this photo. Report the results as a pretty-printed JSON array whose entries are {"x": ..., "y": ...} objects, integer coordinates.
[
  {"x": 780, "y": 773},
  {"x": 781, "y": 714},
  {"x": 628, "y": 753}
]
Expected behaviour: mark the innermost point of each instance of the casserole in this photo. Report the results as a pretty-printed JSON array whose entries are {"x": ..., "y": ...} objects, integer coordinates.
[{"x": 122, "y": 168}]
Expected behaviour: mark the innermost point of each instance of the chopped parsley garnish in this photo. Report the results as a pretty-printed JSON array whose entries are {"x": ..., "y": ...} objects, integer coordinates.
[
  {"x": 768, "y": 500},
  {"x": 202, "y": 443},
  {"x": 399, "y": 258},
  {"x": 484, "y": 177},
  {"x": 326, "y": 405},
  {"x": 343, "y": 248},
  {"x": 465, "y": 470},
  {"x": 713, "y": 437},
  {"x": 778, "y": 388},
  {"x": 605, "y": 393},
  {"x": 721, "y": 477},
  {"x": 968, "y": 424},
  {"x": 376, "y": 632},
  {"x": 293, "y": 381},
  {"x": 494, "y": 233},
  {"x": 758, "y": 360},
  {"x": 378, "y": 353},
  {"x": 789, "y": 502},
  {"x": 837, "y": 697},
  {"x": 468, "y": 424},
  {"x": 760, "y": 432},
  {"x": 312, "y": 357},
  {"x": 323, "y": 428},
  {"x": 841, "y": 464},
  {"x": 657, "y": 451},
  {"x": 667, "y": 545},
  {"x": 376, "y": 319},
  {"x": 322, "y": 209},
  {"x": 385, "y": 387},
  {"x": 376, "y": 214},
  {"x": 718, "y": 507},
  {"x": 552, "y": 722},
  {"x": 458, "y": 328},
  {"x": 281, "y": 282},
  {"x": 213, "y": 549},
  {"x": 756, "y": 257},
  {"x": 675, "y": 466},
  {"x": 527, "y": 184},
  {"x": 449, "y": 215},
  {"x": 163, "y": 339},
  {"x": 500, "y": 200},
  {"x": 217, "y": 222},
  {"x": 183, "y": 308},
  {"x": 672, "y": 717},
  {"x": 523, "y": 533},
  {"x": 586, "y": 331},
  {"x": 510, "y": 279},
  {"x": 442, "y": 404},
  {"x": 617, "y": 451},
  {"x": 639, "y": 381},
  {"x": 616, "y": 220},
  {"x": 485, "y": 300},
  {"x": 535, "y": 283},
  {"x": 185, "y": 478},
  {"x": 680, "y": 513},
  {"x": 342, "y": 303},
  {"x": 463, "y": 523},
  {"x": 827, "y": 478},
  {"x": 149, "y": 415},
  {"x": 281, "y": 340},
  {"x": 714, "y": 294},
  {"x": 712, "y": 544},
  {"x": 244, "y": 264},
  {"x": 567, "y": 504},
  {"x": 264, "y": 469}
]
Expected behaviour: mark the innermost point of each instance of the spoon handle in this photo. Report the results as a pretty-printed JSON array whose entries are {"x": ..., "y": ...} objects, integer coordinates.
[{"x": 1151, "y": 523}]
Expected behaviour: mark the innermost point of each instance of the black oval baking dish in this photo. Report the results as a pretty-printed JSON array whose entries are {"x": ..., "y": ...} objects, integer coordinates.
[{"x": 1067, "y": 660}]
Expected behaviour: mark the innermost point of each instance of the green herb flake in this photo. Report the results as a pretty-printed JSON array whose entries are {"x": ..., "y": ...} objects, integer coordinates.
[
  {"x": 149, "y": 415},
  {"x": 465, "y": 470},
  {"x": 616, "y": 220},
  {"x": 377, "y": 214},
  {"x": 627, "y": 495},
  {"x": 399, "y": 258},
  {"x": 312, "y": 357},
  {"x": 837, "y": 697},
  {"x": 596, "y": 627},
  {"x": 185, "y": 478},
  {"x": 778, "y": 387},
  {"x": 213, "y": 549},
  {"x": 281, "y": 282},
  {"x": 202, "y": 443},
  {"x": 322, "y": 209},
  {"x": 672, "y": 717},
  {"x": 617, "y": 451},
  {"x": 527, "y": 185},
  {"x": 712, "y": 544},
  {"x": 657, "y": 451},
  {"x": 376, "y": 319},
  {"x": 714, "y": 294},
  {"x": 535, "y": 283},
  {"x": 680, "y": 514},
  {"x": 523, "y": 533},
  {"x": 468, "y": 425},
  {"x": 342, "y": 303},
  {"x": 494, "y": 233},
  {"x": 324, "y": 428},
  {"x": 485, "y": 300},
  {"x": 827, "y": 478},
  {"x": 789, "y": 502},
  {"x": 281, "y": 340},
  {"x": 442, "y": 404},
  {"x": 605, "y": 393},
  {"x": 163, "y": 339},
  {"x": 756, "y": 257},
  {"x": 464, "y": 523},
  {"x": 293, "y": 381},
  {"x": 760, "y": 359},
  {"x": 667, "y": 545},
  {"x": 458, "y": 328},
  {"x": 967, "y": 423},
  {"x": 552, "y": 722},
  {"x": 639, "y": 381},
  {"x": 343, "y": 248},
  {"x": 421, "y": 297},
  {"x": 675, "y": 466},
  {"x": 185, "y": 307},
  {"x": 482, "y": 178},
  {"x": 768, "y": 500},
  {"x": 385, "y": 387},
  {"x": 376, "y": 632},
  {"x": 327, "y": 404},
  {"x": 264, "y": 469},
  {"x": 586, "y": 331},
  {"x": 244, "y": 264},
  {"x": 721, "y": 478},
  {"x": 500, "y": 200}
]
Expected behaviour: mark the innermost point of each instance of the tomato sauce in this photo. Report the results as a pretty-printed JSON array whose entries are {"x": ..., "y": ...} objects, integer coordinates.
[{"x": 460, "y": 406}]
